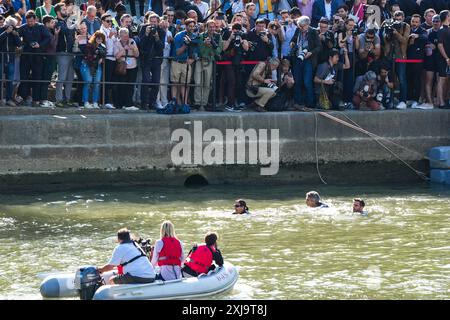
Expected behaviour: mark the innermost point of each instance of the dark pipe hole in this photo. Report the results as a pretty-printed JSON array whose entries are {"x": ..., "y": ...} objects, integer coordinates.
[{"x": 195, "y": 181}]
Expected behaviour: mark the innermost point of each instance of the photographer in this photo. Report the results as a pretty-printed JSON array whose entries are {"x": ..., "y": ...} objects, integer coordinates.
[
  {"x": 276, "y": 37},
  {"x": 49, "y": 60},
  {"x": 35, "y": 39},
  {"x": 9, "y": 42},
  {"x": 152, "y": 38},
  {"x": 91, "y": 20},
  {"x": 369, "y": 50},
  {"x": 327, "y": 40},
  {"x": 288, "y": 28},
  {"x": 326, "y": 77},
  {"x": 396, "y": 36},
  {"x": 66, "y": 39},
  {"x": 260, "y": 84},
  {"x": 365, "y": 91},
  {"x": 349, "y": 41},
  {"x": 415, "y": 51},
  {"x": 385, "y": 86},
  {"x": 186, "y": 51},
  {"x": 259, "y": 37},
  {"x": 126, "y": 50},
  {"x": 91, "y": 68},
  {"x": 234, "y": 47},
  {"x": 306, "y": 47},
  {"x": 210, "y": 48}
]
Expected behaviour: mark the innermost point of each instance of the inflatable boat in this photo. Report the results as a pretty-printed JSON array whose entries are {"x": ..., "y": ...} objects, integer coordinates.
[{"x": 219, "y": 280}]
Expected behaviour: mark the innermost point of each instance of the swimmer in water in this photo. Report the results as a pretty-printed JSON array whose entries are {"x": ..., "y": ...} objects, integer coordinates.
[
  {"x": 240, "y": 207},
  {"x": 358, "y": 206},
  {"x": 313, "y": 200}
]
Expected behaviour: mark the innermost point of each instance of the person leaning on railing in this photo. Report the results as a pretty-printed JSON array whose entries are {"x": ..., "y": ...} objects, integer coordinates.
[
  {"x": 35, "y": 39},
  {"x": 9, "y": 43}
]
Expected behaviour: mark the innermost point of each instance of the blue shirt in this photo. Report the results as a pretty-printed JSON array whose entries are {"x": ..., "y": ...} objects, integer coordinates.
[{"x": 178, "y": 43}]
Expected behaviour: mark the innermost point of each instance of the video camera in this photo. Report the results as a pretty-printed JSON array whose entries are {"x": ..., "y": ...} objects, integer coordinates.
[
  {"x": 146, "y": 245},
  {"x": 237, "y": 38},
  {"x": 389, "y": 25}
]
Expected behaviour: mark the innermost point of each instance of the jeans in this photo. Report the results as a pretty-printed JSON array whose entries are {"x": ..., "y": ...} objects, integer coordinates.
[
  {"x": 151, "y": 73},
  {"x": 348, "y": 81},
  {"x": 303, "y": 75},
  {"x": 9, "y": 69},
  {"x": 87, "y": 77},
  {"x": 49, "y": 66},
  {"x": 400, "y": 69}
]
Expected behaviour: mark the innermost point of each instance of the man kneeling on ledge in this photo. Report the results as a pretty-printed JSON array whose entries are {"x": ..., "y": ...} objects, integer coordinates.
[
  {"x": 260, "y": 84},
  {"x": 200, "y": 258},
  {"x": 131, "y": 261}
]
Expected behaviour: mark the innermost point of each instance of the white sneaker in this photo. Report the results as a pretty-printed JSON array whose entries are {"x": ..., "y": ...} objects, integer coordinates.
[
  {"x": 109, "y": 106},
  {"x": 401, "y": 105},
  {"x": 158, "y": 105},
  {"x": 95, "y": 105},
  {"x": 425, "y": 106},
  {"x": 414, "y": 105},
  {"x": 87, "y": 105},
  {"x": 45, "y": 104},
  {"x": 132, "y": 108}
]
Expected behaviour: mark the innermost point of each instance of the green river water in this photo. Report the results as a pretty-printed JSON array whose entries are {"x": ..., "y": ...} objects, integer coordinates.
[{"x": 283, "y": 250}]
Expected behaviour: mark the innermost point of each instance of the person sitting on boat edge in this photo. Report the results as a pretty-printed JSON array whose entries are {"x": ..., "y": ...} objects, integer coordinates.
[
  {"x": 240, "y": 207},
  {"x": 168, "y": 253},
  {"x": 313, "y": 200},
  {"x": 200, "y": 258},
  {"x": 131, "y": 261},
  {"x": 358, "y": 206}
]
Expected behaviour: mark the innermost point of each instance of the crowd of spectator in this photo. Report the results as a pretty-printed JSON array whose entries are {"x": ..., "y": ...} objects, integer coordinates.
[{"x": 267, "y": 55}]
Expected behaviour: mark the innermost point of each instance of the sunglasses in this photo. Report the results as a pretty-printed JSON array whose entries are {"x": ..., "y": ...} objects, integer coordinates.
[
  {"x": 108, "y": 21},
  {"x": 237, "y": 206}
]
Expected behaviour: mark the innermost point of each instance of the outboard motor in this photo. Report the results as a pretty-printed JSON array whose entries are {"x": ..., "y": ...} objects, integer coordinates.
[{"x": 87, "y": 281}]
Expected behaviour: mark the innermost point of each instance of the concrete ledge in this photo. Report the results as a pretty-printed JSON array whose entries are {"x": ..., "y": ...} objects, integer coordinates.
[{"x": 83, "y": 147}]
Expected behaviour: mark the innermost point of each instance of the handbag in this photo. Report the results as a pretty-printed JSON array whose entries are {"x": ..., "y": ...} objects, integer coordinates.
[
  {"x": 324, "y": 102},
  {"x": 121, "y": 66}
]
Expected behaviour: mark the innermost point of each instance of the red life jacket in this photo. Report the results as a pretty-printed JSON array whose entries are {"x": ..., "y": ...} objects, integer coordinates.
[
  {"x": 120, "y": 269},
  {"x": 201, "y": 259},
  {"x": 170, "y": 254}
]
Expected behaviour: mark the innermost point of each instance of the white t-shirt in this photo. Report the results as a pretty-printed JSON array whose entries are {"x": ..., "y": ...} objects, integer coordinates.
[
  {"x": 328, "y": 10},
  {"x": 139, "y": 268},
  {"x": 203, "y": 7},
  {"x": 167, "y": 272},
  {"x": 166, "y": 52}
]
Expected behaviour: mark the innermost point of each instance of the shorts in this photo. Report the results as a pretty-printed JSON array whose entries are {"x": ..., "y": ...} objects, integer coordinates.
[
  {"x": 129, "y": 279},
  {"x": 178, "y": 72},
  {"x": 431, "y": 63},
  {"x": 442, "y": 67}
]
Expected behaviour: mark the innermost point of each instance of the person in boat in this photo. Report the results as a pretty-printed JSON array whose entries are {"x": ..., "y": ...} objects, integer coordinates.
[
  {"x": 200, "y": 258},
  {"x": 240, "y": 207},
  {"x": 358, "y": 206},
  {"x": 168, "y": 253},
  {"x": 313, "y": 200},
  {"x": 131, "y": 261}
]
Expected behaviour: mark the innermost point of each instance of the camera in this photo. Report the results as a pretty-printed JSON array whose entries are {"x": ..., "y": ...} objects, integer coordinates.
[
  {"x": 152, "y": 29},
  {"x": 389, "y": 25},
  {"x": 284, "y": 23},
  {"x": 214, "y": 44},
  {"x": 262, "y": 34},
  {"x": 355, "y": 32},
  {"x": 365, "y": 91},
  {"x": 145, "y": 244},
  {"x": 237, "y": 38},
  {"x": 272, "y": 85},
  {"x": 301, "y": 55}
]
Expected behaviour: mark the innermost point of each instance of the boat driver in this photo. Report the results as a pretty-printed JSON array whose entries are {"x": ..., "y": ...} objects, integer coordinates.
[{"x": 131, "y": 261}]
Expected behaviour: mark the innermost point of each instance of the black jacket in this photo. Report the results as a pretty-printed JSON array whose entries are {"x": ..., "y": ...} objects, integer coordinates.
[
  {"x": 262, "y": 50},
  {"x": 314, "y": 43},
  {"x": 8, "y": 43},
  {"x": 149, "y": 47},
  {"x": 66, "y": 37},
  {"x": 38, "y": 33},
  {"x": 416, "y": 50}
]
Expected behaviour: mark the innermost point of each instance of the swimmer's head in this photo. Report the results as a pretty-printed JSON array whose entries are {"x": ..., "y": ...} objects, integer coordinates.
[
  {"x": 358, "y": 205},
  {"x": 312, "y": 199}
]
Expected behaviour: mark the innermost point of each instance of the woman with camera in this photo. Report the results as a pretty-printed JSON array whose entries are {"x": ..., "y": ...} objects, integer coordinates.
[
  {"x": 168, "y": 253},
  {"x": 91, "y": 68},
  {"x": 126, "y": 53}
]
